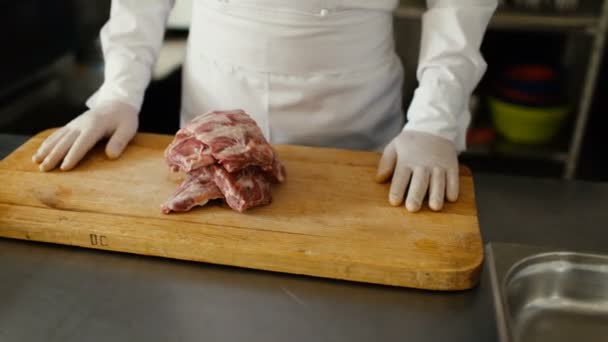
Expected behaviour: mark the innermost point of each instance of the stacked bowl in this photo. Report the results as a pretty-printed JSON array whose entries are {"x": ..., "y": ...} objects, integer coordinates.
[{"x": 528, "y": 106}]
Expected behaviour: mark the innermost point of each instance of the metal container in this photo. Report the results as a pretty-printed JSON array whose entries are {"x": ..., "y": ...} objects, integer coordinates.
[{"x": 545, "y": 295}]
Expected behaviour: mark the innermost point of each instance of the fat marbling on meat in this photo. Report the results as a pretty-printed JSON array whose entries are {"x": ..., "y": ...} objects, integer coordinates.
[{"x": 224, "y": 155}]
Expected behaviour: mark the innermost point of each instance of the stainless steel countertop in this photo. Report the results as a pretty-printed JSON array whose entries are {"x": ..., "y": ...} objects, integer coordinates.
[{"x": 56, "y": 293}]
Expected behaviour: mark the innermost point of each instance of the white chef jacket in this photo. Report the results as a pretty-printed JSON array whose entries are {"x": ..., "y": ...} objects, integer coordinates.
[{"x": 314, "y": 72}]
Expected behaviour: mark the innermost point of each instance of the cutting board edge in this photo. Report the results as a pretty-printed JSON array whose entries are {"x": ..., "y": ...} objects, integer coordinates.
[
  {"x": 471, "y": 275},
  {"x": 459, "y": 278}
]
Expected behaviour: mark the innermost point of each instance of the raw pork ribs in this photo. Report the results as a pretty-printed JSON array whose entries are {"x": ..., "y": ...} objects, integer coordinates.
[{"x": 224, "y": 155}]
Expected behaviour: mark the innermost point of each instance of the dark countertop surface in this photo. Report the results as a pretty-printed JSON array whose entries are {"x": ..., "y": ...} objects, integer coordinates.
[{"x": 58, "y": 293}]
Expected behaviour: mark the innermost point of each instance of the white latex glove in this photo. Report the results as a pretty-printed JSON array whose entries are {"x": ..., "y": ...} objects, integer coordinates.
[
  {"x": 425, "y": 162},
  {"x": 116, "y": 120}
]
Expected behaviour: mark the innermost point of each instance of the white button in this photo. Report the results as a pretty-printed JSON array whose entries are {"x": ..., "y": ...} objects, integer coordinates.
[{"x": 323, "y": 12}]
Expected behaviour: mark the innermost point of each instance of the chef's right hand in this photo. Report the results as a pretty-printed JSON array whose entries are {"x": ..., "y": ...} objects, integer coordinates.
[{"x": 117, "y": 121}]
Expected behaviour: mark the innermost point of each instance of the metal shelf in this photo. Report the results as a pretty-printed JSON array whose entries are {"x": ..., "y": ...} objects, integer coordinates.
[
  {"x": 590, "y": 20},
  {"x": 509, "y": 19},
  {"x": 515, "y": 151}
]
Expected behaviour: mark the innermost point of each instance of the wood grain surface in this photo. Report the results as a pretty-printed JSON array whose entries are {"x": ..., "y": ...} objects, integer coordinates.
[{"x": 329, "y": 219}]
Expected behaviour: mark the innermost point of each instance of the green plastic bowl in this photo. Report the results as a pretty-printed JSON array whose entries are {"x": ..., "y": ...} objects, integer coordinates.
[{"x": 526, "y": 125}]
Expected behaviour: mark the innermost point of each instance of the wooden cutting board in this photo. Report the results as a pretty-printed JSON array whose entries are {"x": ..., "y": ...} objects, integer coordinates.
[{"x": 330, "y": 219}]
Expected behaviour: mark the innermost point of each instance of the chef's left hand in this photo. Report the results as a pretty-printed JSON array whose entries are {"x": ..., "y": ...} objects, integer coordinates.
[{"x": 424, "y": 161}]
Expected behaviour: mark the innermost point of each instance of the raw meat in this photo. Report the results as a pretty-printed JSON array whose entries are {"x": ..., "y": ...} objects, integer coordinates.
[
  {"x": 277, "y": 173},
  {"x": 198, "y": 189},
  {"x": 225, "y": 155},
  {"x": 230, "y": 138},
  {"x": 187, "y": 153},
  {"x": 244, "y": 189}
]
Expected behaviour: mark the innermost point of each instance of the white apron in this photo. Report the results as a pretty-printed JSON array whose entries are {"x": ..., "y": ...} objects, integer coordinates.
[
  {"x": 309, "y": 72},
  {"x": 313, "y": 72}
]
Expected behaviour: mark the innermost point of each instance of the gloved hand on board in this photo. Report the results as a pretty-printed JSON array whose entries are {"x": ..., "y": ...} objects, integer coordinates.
[
  {"x": 423, "y": 161},
  {"x": 116, "y": 121}
]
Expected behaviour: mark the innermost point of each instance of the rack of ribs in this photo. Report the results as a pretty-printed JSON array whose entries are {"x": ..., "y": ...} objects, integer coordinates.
[{"x": 224, "y": 155}]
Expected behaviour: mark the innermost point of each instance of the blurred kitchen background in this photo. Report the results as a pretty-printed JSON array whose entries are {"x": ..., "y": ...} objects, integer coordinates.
[{"x": 539, "y": 111}]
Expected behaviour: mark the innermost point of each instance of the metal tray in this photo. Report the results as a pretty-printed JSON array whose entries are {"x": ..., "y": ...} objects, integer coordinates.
[{"x": 545, "y": 295}]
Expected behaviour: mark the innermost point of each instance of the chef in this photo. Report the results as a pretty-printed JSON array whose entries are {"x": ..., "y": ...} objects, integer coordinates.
[{"x": 310, "y": 72}]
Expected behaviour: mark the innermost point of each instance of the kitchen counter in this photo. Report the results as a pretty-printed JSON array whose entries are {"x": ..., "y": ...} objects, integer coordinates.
[{"x": 58, "y": 293}]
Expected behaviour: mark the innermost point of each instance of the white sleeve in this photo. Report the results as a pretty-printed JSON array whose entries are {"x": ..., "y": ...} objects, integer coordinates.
[
  {"x": 449, "y": 67},
  {"x": 131, "y": 40}
]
